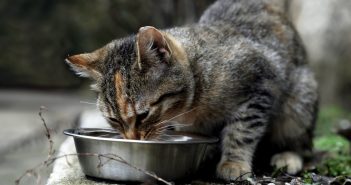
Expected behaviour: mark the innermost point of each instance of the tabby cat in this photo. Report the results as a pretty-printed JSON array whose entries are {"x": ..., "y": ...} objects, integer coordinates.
[{"x": 240, "y": 73}]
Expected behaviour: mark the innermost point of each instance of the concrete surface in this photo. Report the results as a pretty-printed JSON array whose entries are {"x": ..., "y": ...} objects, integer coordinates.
[
  {"x": 65, "y": 173},
  {"x": 23, "y": 143},
  {"x": 70, "y": 173}
]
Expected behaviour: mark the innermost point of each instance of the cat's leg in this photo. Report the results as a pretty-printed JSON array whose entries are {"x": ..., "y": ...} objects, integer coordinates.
[
  {"x": 292, "y": 131},
  {"x": 241, "y": 135}
]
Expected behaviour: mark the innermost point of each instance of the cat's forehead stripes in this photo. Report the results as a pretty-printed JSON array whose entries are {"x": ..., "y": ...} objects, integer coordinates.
[
  {"x": 125, "y": 106},
  {"x": 121, "y": 102}
]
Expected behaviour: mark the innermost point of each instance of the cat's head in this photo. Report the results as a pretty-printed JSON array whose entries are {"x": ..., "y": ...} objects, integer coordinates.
[{"x": 141, "y": 81}]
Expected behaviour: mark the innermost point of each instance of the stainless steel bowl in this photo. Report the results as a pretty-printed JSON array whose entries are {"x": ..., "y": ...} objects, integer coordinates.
[{"x": 171, "y": 158}]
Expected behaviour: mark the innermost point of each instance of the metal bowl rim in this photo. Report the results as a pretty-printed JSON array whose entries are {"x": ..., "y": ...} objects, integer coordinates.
[{"x": 70, "y": 132}]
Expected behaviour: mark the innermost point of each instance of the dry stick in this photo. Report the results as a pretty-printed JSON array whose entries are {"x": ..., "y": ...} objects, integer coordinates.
[
  {"x": 67, "y": 161},
  {"x": 239, "y": 178},
  {"x": 47, "y": 132},
  {"x": 30, "y": 172},
  {"x": 51, "y": 159},
  {"x": 33, "y": 172},
  {"x": 110, "y": 157}
]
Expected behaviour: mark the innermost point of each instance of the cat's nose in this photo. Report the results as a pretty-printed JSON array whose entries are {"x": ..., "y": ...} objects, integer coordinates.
[{"x": 132, "y": 134}]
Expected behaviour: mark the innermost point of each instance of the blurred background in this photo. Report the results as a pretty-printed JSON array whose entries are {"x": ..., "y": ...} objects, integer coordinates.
[{"x": 36, "y": 36}]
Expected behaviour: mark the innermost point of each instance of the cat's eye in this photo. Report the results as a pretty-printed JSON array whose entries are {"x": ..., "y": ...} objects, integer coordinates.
[
  {"x": 112, "y": 119},
  {"x": 117, "y": 124},
  {"x": 168, "y": 95}
]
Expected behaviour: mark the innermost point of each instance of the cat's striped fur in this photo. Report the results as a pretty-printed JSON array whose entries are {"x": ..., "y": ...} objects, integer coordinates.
[{"x": 240, "y": 73}]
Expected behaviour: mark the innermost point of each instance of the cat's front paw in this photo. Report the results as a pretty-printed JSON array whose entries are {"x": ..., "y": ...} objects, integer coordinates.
[{"x": 230, "y": 171}]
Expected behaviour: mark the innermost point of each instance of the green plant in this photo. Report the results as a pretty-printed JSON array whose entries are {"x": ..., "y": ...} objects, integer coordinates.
[{"x": 338, "y": 160}]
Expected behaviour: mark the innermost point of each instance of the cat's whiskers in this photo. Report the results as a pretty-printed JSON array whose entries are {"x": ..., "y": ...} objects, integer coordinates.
[
  {"x": 155, "y": 134},
  {"x": 165, "y": 127},
  {"x": 167, "y": 138},
  {"x": 180, "y": 125},
  {"x": 159, "y": 128},
  {"x": 181, "y": 114},
  {"x": 162, "y": 136},
  {"x": 85, "y": 102}
]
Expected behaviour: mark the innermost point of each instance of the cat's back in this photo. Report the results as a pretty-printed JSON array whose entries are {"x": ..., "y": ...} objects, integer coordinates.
[{"x": 261, "y": 22}]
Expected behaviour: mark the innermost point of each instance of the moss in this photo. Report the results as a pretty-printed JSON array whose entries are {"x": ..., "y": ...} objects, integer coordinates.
[
  {"x": 307, "y": 178},
  {"x": 338, "y": 160},
  {"x": 332, "y": 143},
  {"x": 336, "y": 166}
]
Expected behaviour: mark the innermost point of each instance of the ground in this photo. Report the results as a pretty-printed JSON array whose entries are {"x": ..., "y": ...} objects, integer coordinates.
[{"x": 330, "y": 165}]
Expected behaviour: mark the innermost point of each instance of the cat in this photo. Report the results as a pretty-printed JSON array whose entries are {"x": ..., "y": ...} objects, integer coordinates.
[{"x": 239, "y": 73}]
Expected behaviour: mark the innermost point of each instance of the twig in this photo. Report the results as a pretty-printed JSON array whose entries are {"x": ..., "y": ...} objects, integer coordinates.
[
  {"x": 30, "y": 172},
  {"x": 67, "y": 161},
  {"x": 109, "y": 157},
  {"x": 47, "y": 132},
  {"x": 51, "y": 159}
]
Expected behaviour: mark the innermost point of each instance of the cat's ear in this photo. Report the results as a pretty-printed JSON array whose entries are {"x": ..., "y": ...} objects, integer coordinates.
[
  {"x": 87, "y": 64},
  {"x": 151, "y": 41}
]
